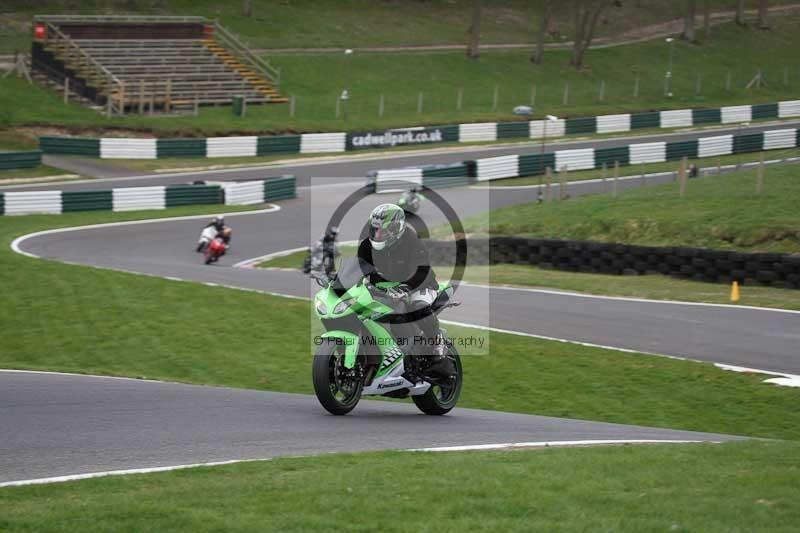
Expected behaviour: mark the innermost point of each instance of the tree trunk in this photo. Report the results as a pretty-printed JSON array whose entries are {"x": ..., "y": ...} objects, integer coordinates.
[
  {"x": 587, "y": 14},
  {"x": 475, "y": 31},
  {"x": 740, "y": 20},
  {"x": 688, "y": 20},
  {"x": 707, "y": 19},
  {"x": 763, "y": 14},
  {"x": 538, "y": 53},
  {"x": 247, "y": 8}
]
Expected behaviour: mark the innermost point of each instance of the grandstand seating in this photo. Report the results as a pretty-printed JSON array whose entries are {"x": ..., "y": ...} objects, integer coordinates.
[{"x": 135, "y": 64}]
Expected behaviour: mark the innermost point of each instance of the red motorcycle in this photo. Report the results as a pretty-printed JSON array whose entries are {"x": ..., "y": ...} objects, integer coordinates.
[{"x": 215, "y": 250}]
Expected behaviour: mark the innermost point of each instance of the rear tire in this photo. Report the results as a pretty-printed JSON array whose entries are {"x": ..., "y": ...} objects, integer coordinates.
[
  {"x": 440, "y": 400},
  {"x": 328, "y": 361}
]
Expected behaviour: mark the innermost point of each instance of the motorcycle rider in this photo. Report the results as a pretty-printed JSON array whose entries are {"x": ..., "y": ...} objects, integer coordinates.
[
  {"x": 329, "y": 249},
  {"x": 397, "y": 254}
]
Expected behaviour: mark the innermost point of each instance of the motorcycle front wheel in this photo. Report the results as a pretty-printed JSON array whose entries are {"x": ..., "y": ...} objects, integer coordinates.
[
  {"x": 441, "y": 398},
  {"x": 338, "y": 389}
]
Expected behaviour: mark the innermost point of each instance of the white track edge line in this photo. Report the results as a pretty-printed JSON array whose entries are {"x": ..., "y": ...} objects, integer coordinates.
[
  {"x": 91, "y": 475},
  {"x": 628, "y": 299},
  {"x": 547, "y": 444},
  {"x": 15, "y": 244},
  {"x": 476, "y": 447}
]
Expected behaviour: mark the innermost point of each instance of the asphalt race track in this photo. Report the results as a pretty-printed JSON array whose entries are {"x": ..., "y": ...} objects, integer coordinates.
[{"x": 60, "y": 425}]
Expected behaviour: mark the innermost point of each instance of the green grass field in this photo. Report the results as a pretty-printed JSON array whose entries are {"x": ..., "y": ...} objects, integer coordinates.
[
  {"x": 78, "y": 319},
  {"x": 749, "y": 486},
  {"x": 316, "y": 80},
  {"x": 723, "y": 213},
  {"x": 353, "y": 23}
]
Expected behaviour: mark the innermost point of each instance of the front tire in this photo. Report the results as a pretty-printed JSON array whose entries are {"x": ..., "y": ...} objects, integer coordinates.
[
  {"x": 440, "y": 399},
  {"x": 337, "y": 392}
]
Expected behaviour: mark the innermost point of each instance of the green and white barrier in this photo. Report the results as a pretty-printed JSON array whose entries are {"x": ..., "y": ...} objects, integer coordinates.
[
  {"x": 320, "y": 143},
  {"x": 146, "y": 198},
  {"x": 510, "y": 166},
  {"x": 15, "y": 160}
]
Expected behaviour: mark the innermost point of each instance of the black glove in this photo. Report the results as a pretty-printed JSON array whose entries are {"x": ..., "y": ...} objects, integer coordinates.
[{"x": 398, "y": 293}]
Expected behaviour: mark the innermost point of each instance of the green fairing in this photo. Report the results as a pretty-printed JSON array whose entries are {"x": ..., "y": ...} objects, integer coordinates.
[
  {"x": 368, "y": 310},
  {"x": 351, "y": 343}
]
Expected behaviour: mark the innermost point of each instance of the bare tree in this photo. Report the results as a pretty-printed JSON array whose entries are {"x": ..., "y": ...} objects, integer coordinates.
[
  {"x": 546, "y": 15},
  {"x": 706, "y": 19},
  {"x": 247, "y": 8},
  {"x": 688, "y": 20},
  {"x": 587, "y": 14},
  {"x": 763, "y": 14},
  {"x": 475, "y": 31},
  {"x": 740, "y": 20}
]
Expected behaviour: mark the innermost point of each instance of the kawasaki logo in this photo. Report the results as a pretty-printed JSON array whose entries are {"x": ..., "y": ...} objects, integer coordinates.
[{"x": 389, "y": 385}]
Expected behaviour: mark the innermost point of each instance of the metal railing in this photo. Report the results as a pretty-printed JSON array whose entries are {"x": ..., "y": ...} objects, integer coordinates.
[
  {"x": 77, "y": 58},
  {"x": 119, "y": 18},
  {"x": 246, "y": 55}
]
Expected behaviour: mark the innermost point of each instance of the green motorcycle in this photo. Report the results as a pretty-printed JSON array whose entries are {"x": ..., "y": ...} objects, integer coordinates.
[{"x": 359, "y": 356}]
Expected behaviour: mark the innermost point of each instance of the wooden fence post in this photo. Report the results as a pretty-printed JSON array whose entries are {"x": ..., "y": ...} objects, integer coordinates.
[
  {"x": 562, "y": 183},
  {"x": 548, "y": 192},
  {"x": 603, "y": 177},
  {"x": 682, "y": 177}
]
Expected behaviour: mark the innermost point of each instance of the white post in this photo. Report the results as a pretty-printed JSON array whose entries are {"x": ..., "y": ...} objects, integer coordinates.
[
  {"x": 380, "y": 106},
  {"x": 460, "y": 98}
]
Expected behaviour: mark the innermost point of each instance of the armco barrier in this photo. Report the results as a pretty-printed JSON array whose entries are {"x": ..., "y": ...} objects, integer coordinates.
[
  {"x": 510, "y": 166},
  {"x": 13, "y": 160},
  {"x": 422, "y": 135},
  {"x": 145, "y": 198},
  {"x": 701, "y": 264}
]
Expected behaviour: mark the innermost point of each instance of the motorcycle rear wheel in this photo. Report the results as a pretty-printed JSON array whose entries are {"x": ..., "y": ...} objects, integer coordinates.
[
  {"x": 336, "y": 392},
  {"x": 440, "y": 399}
]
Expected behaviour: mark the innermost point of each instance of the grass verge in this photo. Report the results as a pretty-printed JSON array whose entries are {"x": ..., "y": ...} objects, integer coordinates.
[
  {"x": 722, "y": 212},
  {"x": 42, "y": 171},
  {"x": 745, "y": 486},
  {"x": 316, "y": 80},
  {"x": 78, "y": 319}
]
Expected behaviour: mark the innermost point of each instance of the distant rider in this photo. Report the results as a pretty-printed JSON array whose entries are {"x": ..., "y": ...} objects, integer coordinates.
[{"x": 399, "y": 255}]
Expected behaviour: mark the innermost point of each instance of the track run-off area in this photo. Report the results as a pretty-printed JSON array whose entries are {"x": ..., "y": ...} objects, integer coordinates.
[{"x": 66, "y": 425}]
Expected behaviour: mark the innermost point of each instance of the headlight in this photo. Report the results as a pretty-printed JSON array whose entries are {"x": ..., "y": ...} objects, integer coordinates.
[
  {"x": 320, "y": 306},
  {"x": 342, "y": 306}
]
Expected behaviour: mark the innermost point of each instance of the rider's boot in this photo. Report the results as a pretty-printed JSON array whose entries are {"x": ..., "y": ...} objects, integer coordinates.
[{"x": 439, "y": 364}]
